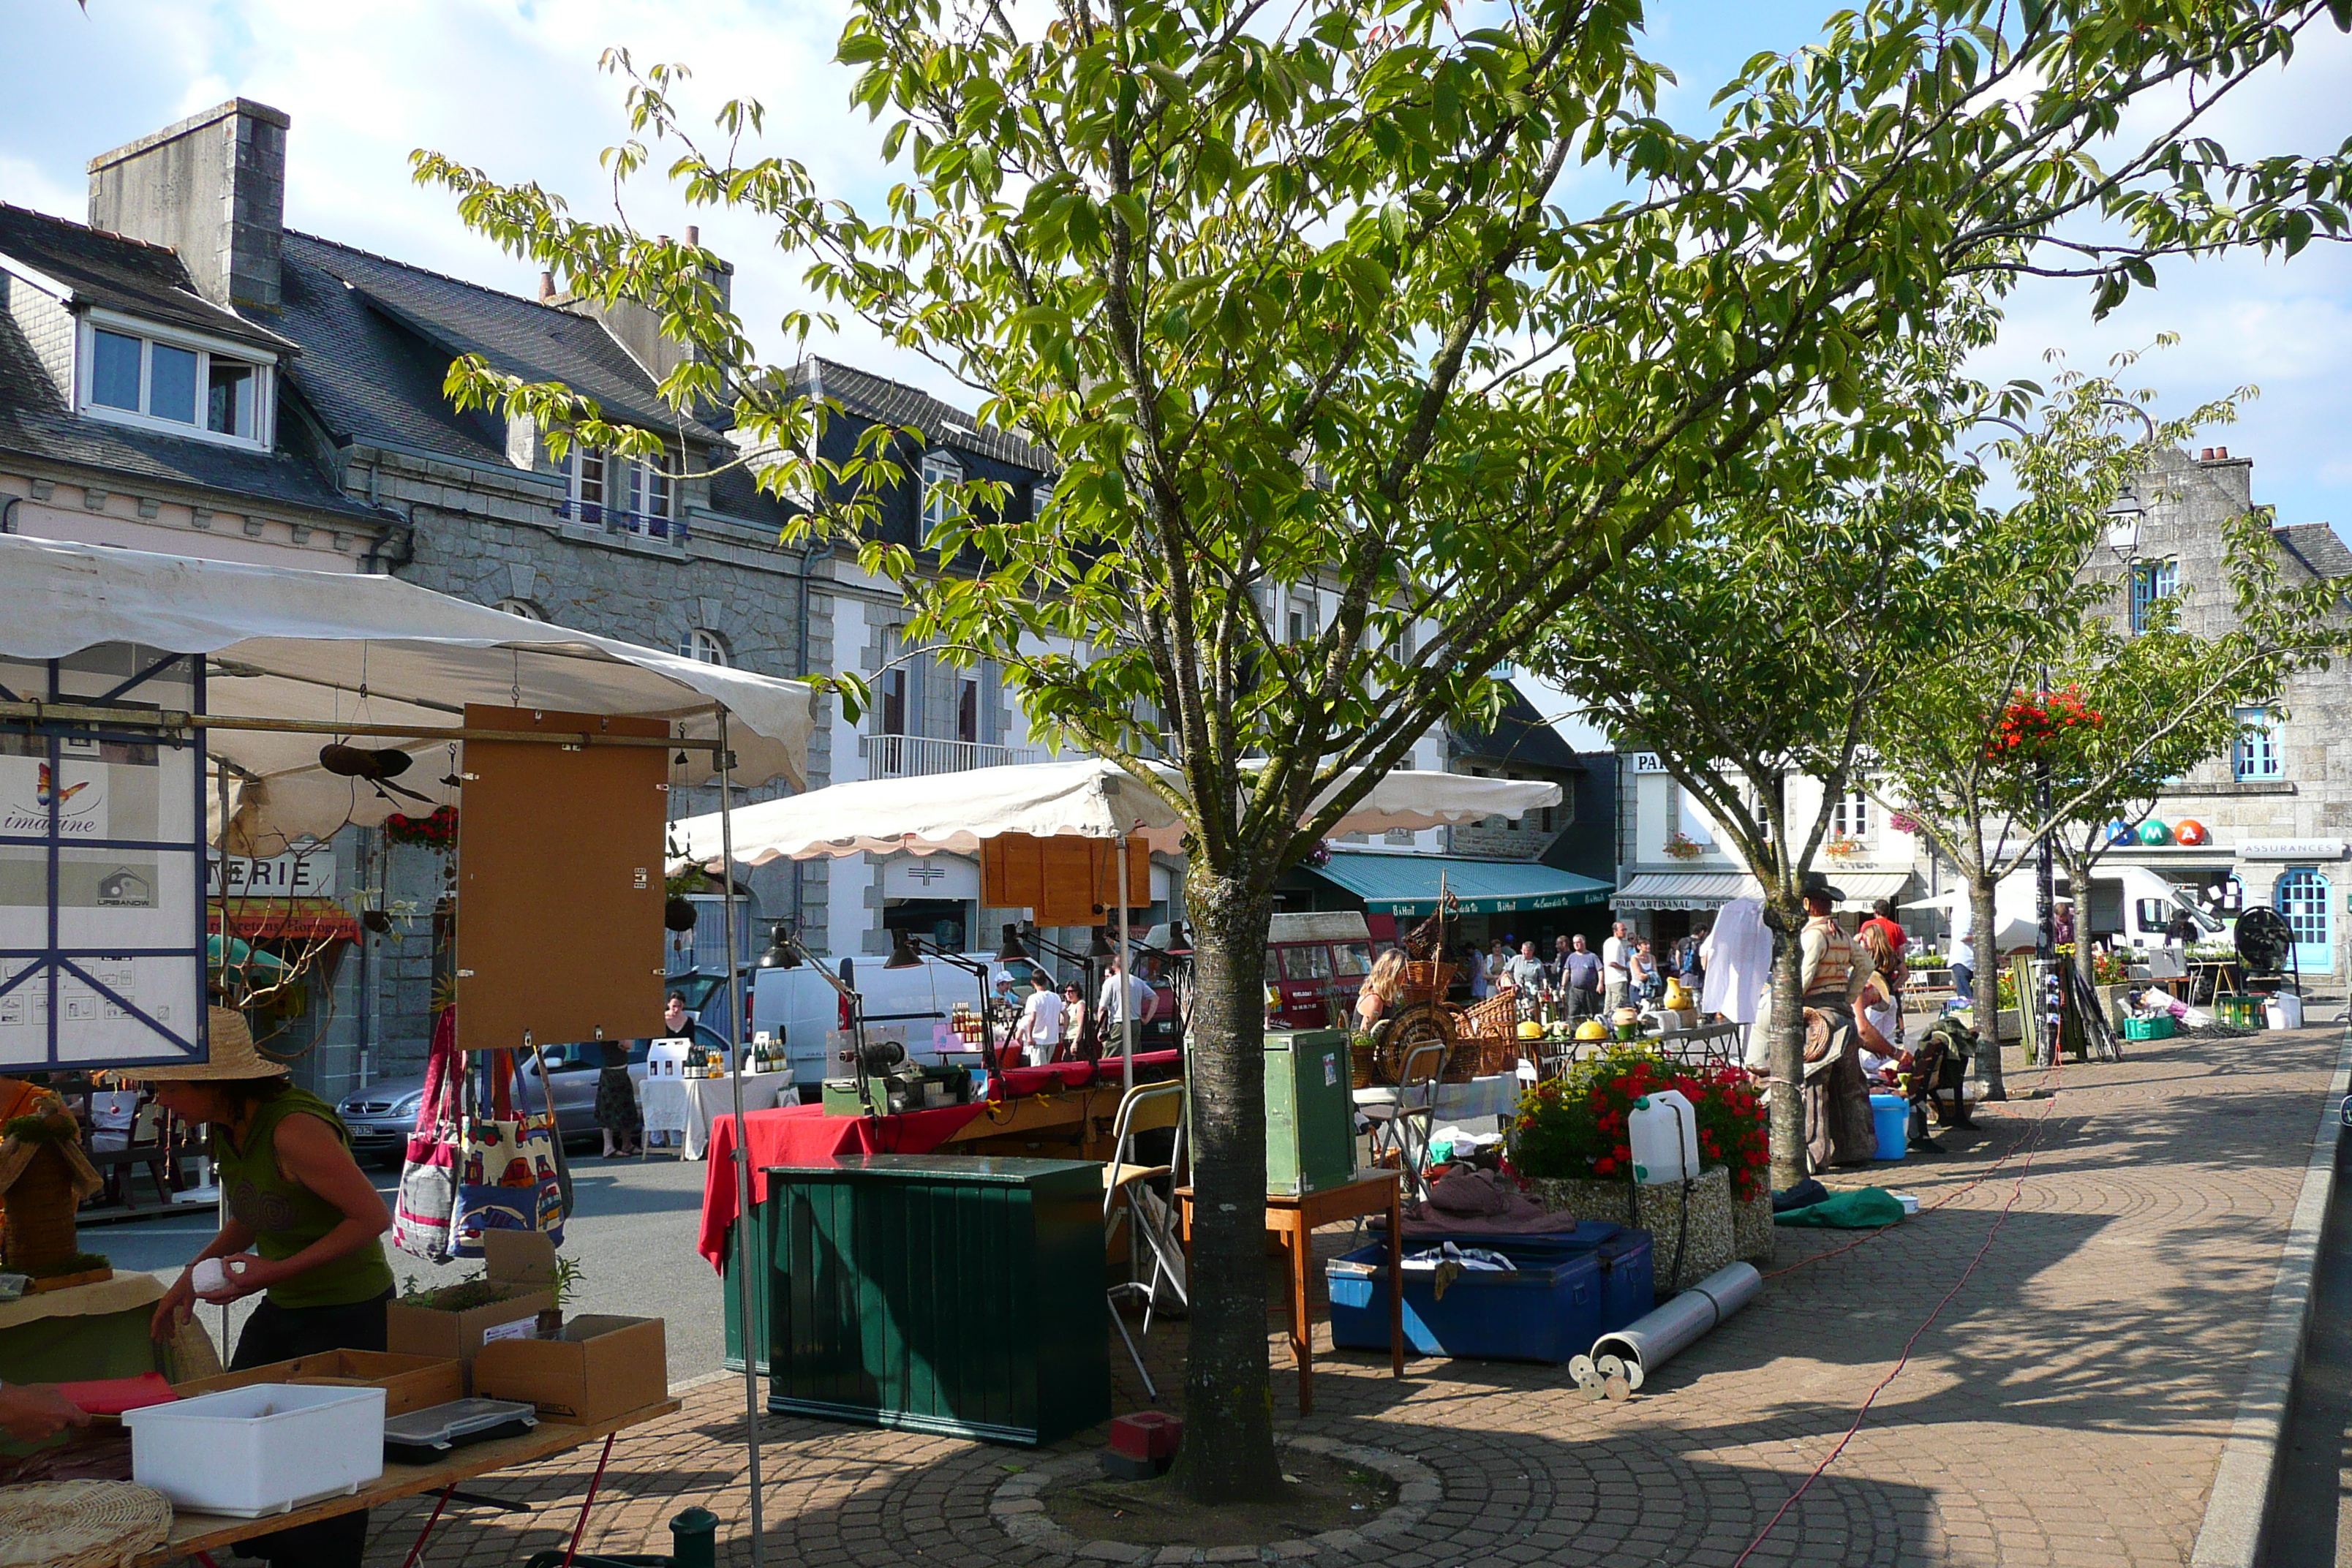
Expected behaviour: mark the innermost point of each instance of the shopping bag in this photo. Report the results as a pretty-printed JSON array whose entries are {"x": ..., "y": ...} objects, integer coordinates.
[
  {"x": 507, "y": 1170},
  {"x": 428, "y": 1174}
]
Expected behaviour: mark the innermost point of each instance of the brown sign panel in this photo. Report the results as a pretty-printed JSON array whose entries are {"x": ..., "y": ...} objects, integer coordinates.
[
  {"x": 559, "y": 882},
  {"x": 1064, "y": 880}
]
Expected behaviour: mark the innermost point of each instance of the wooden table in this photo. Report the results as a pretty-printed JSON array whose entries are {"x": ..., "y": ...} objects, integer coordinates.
[
  {"x": 1296, "y": 1219},
  {"x": 198, "y": 1535}
]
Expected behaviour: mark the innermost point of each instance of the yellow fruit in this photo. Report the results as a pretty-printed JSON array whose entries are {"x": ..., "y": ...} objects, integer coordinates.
[{"x": 1531, "y": 1030}]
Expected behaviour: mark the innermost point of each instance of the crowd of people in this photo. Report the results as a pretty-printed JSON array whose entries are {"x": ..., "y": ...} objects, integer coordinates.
[{"x": 1576, "y": 982}]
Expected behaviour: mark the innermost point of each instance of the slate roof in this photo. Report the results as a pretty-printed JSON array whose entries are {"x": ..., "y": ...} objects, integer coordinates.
[
  {"x": 120, "y": 274},
  {"x": 1519, "y": 736},
  {"x": 896, "y": 403},
  {"x": 2318, "y": 547},
  {"x": 382, "y": 333}
]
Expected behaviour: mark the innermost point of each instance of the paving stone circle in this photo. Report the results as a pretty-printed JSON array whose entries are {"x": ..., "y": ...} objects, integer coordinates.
[{"x": 1019, "y": 1510}]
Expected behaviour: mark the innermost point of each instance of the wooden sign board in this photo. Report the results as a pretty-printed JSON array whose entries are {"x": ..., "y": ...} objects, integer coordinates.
[
  {"x": 1064, "y": 880},
  {"x": 560, "y": 890}
]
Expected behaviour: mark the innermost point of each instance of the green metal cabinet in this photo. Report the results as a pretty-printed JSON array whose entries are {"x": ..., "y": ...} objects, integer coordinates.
[
  {"x": 956, "y": 1294},
  {"x": 734, "y": 1358},
  {"x": 1310, "y": 1117}
]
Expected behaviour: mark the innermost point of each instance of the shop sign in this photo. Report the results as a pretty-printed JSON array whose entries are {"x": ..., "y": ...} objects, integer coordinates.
[
  {"x": 307, "y": 872},
  {"x": 930, "y": 877},
  {"x": 1648, "y": 762},
  {"x": 2290, "y": 848}
]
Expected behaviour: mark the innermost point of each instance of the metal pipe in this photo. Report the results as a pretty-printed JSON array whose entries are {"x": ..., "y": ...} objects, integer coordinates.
[
  {"x": 1126, "y": 977},
  {"x": 744, "y": 1290},
  {"x": 1658, "y": 1337},
  {"x": 152, "y": 719}
]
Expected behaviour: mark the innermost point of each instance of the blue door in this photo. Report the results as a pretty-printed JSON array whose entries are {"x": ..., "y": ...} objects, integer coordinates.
[{"x": 2303, "y": 899}]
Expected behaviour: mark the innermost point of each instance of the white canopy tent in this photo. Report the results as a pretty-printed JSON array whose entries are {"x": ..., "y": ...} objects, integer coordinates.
[
  {"x": 1088, "y": 797},
  {"x": 370, "y": 652}
]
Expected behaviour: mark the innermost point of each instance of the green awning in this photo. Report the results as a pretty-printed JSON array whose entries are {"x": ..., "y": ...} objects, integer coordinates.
[{"x": 1409, "y": 884}]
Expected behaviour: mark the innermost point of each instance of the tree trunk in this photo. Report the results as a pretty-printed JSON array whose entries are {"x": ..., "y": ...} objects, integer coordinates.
[
  {"x": 1986, "y": 1001},
  {"x": 1228, "y": 1398},
  {"x": 2078, "y": 872},
  {"x": 1788, "y": 1047}
]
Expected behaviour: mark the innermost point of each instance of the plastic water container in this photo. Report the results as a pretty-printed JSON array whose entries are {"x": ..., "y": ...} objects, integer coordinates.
[
  {"x": 265, "y": 1448},
  {"x": 1890, "y": 1115},
  {"x": 1663, "y": 1131},
  {"x": 2283, "y": 1011}
]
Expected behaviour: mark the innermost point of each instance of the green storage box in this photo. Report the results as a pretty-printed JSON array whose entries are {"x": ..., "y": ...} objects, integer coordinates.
[
  {"x": 2160, "y": 1028},
  {"x": 956, "y": 1294},
  {"x": 1310, "y": 1116}
]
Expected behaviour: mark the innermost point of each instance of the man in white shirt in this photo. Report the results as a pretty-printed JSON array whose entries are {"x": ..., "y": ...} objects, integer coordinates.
[
  {"x": 1616, "y": 968},
  {"x": 1041, "y": 1020},
  {"x": 1125, "y": 996}
]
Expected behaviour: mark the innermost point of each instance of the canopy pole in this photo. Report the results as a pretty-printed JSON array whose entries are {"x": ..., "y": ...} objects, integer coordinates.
[
  {"x": 744, "y": 1286},
  {"x": 1126, "y": 978}
]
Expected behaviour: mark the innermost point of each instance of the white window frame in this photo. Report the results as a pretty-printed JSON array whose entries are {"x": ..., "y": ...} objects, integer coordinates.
[
  {"x": 205, "y": 347},
  {"x": 1850, "y": 816},
  {"x": 939, "y": 468},
  {"x": 522, "y": 607},
  {"x": 706, "y": 646},
  {"x": 632, "y": 474},
  {"x": 2255, "y": 757}
]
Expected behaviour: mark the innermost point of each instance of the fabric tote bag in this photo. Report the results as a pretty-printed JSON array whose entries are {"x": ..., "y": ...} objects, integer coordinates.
[
  {"x": 509, "y": 1171},
  {"x": 428, "y": 1176}
]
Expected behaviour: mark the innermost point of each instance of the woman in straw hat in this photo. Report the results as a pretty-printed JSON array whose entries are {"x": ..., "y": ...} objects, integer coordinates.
[{"x": 302, "y": 1222}]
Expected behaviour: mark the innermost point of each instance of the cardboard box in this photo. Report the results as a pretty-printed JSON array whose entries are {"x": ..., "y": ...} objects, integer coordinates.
[
  {"x": 519, "y": 1282},
  {"x": 409, "y": 1382},
  {"x": 601, "y": 1367}
]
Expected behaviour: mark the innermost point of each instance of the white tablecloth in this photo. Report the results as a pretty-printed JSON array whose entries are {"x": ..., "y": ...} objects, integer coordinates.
[{"x": 687, "y": 1106}]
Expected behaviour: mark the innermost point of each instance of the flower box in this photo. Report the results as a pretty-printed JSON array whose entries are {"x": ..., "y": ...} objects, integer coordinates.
[{"x": 1703, "y": 1237}]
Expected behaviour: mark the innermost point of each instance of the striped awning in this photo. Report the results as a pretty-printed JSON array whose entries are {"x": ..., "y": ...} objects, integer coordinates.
[{"x": 1684, "y": 890}]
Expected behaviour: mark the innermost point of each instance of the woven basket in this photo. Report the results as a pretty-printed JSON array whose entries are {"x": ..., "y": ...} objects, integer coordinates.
[
  {"x": 1425, "y": 982},
  {"x": 1363, "y": 1062},
  {"x": 1500, "y": 1055},
  {"x": 80, "y": 1525},
  {"x": 1496, "y": 1017}
]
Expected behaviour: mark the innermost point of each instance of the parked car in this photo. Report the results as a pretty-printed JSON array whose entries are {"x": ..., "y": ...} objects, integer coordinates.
[
  {"x": 706, "y": 989},
  {"x": 382, "y": 1114}
]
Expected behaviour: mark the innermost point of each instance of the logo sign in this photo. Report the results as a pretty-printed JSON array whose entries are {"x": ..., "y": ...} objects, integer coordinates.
[
  {"x": 1647, "y": 762},
  {"x": 306, "y": 872},
  {"x": 30, "y": 789}
]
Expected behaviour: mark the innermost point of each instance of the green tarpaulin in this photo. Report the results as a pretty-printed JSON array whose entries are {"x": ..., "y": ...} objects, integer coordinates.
[{"x": 1868, "y": 1209}]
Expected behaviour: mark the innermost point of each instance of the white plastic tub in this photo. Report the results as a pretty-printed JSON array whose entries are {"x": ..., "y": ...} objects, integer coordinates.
[
  {"x": 2283, "y": 1011},
  {"x": 266, "y": 1449}
]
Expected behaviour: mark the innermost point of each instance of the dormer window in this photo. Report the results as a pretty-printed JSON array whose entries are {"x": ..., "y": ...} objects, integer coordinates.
[
  {"x": 941, "y": 473},
  {"x": 183, "y": 383},
  {"x": 638, "y": 494}
]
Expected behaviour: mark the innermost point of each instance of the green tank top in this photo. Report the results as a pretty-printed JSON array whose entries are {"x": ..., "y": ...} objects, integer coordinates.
[{"x": 284, "y": 1217}]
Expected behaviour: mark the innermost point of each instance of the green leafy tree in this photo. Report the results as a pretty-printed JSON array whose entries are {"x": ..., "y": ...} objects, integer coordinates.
[
  {"x": 1300, "y": 295},
  {"x": 1959, "y": 753}
]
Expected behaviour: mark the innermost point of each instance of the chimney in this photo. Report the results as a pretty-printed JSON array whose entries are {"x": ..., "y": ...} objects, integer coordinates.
[
  {"x": 2221, "y": 454},
  {"x": 547, "y": 287},
  {"x": 211, "y": 187},
  {"x": 2205, "y": 455},
  {"x": 694, "y": 236}
]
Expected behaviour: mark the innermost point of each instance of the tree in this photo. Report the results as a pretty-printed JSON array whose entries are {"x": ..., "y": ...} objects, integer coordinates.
[
  {"x": 1295, "y": 296},
  {"x": 1752, "y": 648},
  {"x": 1958, "y": 754}
]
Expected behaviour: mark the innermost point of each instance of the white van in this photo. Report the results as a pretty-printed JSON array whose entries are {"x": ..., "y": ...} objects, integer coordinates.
[{"x": 798, "y": 1005}]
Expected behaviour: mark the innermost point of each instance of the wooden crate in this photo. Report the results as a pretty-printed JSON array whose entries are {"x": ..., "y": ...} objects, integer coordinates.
[{"x": 409, "y": 1382}]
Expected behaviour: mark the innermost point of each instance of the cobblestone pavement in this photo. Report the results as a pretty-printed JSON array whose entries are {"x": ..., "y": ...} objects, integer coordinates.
[{"x": 2067, "y": 1407}]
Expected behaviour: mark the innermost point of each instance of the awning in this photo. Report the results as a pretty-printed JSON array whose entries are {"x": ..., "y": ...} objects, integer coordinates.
[
  {"x": 1863, "y": 888},
  {"x": 286, "y": 920},
  {"x": 1685, "y": 891},
  {"x": 1409, "y": 884}
]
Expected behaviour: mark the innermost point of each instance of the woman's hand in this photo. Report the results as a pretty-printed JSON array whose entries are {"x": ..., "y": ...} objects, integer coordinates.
[
  {"x": 31, "y": 1411},
  {"x": 246, "y": 1274},
  {"x": 173, "y": 1309}
]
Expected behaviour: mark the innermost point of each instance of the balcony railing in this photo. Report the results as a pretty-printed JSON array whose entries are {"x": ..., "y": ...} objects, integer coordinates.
[
  {"x": 916, "y": 756},
  {"x": 614, "y": 519}
]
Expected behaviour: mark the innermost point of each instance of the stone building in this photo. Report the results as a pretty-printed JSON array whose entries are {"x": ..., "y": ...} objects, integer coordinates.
[{"x": 2268, "y": 824}]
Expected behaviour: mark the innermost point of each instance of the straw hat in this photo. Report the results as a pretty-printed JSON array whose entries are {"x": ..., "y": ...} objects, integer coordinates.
[{"x": 234, "y": 1056}]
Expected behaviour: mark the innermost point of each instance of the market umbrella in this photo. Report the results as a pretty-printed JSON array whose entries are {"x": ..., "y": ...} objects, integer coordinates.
[{"x": 2014, "y": 926}]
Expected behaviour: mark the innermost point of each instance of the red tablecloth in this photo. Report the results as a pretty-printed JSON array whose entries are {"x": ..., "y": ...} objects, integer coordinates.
[{"x": 805, "y": 1135}]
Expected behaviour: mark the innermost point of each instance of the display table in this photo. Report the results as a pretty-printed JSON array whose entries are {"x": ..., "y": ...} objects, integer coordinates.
[
  {"x": 1495, "y": 1095},
  {"x": 687, "y": 1106},
  {"x": 1295, "y": 1220},
  {"x": 198, "y": 1535},
  {"x": 82, "y": 1332}
]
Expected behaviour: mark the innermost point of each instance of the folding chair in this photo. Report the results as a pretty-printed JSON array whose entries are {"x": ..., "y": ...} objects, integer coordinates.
[
  {"x": 1146, "y": 1107},
  {"x": 1402, "y": 1125}
]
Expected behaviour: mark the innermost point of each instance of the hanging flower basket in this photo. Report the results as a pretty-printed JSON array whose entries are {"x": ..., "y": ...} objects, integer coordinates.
[
  {"x": 438, "y": 831},
  {"x": 1902, "y": 823},
  {"x": 2037, "y": 723}
]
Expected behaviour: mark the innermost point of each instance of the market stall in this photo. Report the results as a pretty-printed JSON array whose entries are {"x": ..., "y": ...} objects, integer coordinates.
[{"x": 153, "y": 707}]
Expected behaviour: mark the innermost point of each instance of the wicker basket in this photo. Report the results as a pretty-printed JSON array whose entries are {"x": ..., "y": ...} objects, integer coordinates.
[
  {"x": 1363, "y": 1061},
  {"x": 1425, "y": 981}
]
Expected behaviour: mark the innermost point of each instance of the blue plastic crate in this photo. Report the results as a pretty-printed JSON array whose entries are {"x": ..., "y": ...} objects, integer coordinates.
[{"x": 1568, "y": 1291}]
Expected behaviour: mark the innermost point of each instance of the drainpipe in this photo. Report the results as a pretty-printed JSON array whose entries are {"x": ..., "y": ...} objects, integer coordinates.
[
  {"x": 811, "y": 554},
  {"x": 8, "y": 513}
]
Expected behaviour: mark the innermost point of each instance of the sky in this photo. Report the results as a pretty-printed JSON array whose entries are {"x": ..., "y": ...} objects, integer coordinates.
[{"x": 513, "y": 87}]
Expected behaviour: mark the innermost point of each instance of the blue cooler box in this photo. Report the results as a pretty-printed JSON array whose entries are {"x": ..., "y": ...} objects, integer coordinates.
[{"x": 1569, "y": 1291}]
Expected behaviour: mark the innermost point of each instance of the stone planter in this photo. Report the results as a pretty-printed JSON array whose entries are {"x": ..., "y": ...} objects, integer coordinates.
[
  {"x": 1751, "y": 1226},
  {"x": 1707, "y": 1244}
]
